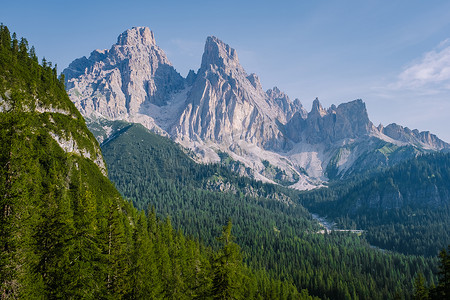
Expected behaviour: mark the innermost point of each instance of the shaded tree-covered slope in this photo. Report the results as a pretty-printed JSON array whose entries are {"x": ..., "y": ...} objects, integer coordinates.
[
  {"x": 405, "y": 208},
  {"x": 275, "y": 233}
]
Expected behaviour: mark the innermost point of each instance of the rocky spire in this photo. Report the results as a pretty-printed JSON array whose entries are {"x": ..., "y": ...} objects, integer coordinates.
[
  {"x": 254, "y": 80},
  {"x": 287, "y": 107},
  {"x": 120, "y": 82},
  {"x": 317, "y": 109},
  {"x": 137, "y": 36},
  {"x": 225, "y": 105},
  {"x": 219, "y": 54}
]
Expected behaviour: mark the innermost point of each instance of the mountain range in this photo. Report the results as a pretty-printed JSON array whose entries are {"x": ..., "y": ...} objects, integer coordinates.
[
  {"x": 67, "y": 232},
  {"x": 222, "y": 109}
]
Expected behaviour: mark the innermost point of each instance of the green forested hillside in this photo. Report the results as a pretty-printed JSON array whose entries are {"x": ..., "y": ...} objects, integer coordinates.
[
  {"x": 65, "y": 231},
  {"x": 274, "y": 232},
  {"x": 442, "y": 289},
  {"x": 405, "y": 208}
]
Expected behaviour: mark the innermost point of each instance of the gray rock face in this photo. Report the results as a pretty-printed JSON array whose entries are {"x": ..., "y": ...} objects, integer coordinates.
[
  {"x": 227, "y": 105},
  {"x": 287, "y": 108},
  {"x": 220, "y": 108},
  {"x": 393, "y": 198},
  {"x": 347, "y": 121},
  {"x": 115, "y": 83},
  {"x": 404, "y": 134}
]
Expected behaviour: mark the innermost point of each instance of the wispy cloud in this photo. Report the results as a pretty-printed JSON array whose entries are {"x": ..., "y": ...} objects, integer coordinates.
[
  {"x": 418, "y": 96},
  {"x": 429, "y": 74}
]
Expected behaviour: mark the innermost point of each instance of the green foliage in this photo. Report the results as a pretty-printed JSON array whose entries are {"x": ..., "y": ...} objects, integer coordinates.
[
  {"x": 276, "y": 237},
  {"x": 442, "y": 290},
  {"x": 380, "y": 156},
  {"x": 420, "y": 291},
  {"x": 65, "y": 231},
  {"x": 278, "y": 175},
  {"x": 394, "y": 207},
  {"x": 228, "y": 279}
]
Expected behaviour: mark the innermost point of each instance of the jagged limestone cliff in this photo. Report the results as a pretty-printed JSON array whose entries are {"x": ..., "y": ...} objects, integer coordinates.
[{"x": 220, "y": 108}]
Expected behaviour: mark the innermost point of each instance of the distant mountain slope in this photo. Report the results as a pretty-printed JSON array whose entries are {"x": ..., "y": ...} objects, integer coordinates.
[
  {"x": 222, "y": 109},
  {"x": 404, "y": 208},
  {"x": 161, "y": 161}
]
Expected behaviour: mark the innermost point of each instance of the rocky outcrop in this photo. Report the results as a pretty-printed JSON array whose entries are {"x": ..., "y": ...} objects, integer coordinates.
[
  {"x": 394, "y": 198},
  {"x": 285, "y": 107},
  {"x": 423, "y": 139},
  {"x": 116, "y": 83},
  {"x": 70, "y": 145},
  {"x": 347, "y": 121},
  {"x": 226, "y": 105}
]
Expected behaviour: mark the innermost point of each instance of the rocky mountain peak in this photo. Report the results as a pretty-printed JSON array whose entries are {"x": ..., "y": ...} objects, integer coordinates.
[
  {"x": 125, "y": 80},
  {"x": 254, "y": 80},
  {"x": 190, "y": 78},
  {"x": 98, "y": 55},
  {"x": 287, "y": 107},
  {"x": 276, "y": 93},
  {"x": 137, "y": 36},
  {"x": 404, "y": 134},
  {"x": 356, "y": 107},
  {"x": 317, "y": 109},
  {"x": 346, "y": 121},
  {"x": 219, "y": 54}
]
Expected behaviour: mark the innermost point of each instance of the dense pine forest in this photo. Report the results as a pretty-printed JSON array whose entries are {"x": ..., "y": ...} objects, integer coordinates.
[
  {"x": 405, "y": 208},
  {"x": 442, "y": 289},
  {"x": 66, "y": 232},
  {"x": 275, "y": 232}
]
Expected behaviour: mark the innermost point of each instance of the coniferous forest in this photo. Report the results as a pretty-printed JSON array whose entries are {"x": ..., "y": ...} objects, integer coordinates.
[
  {"x": 175, "y": 229},
  {"x": 66, "y": 233},
  {"x": 405, "y": 208},
  {"x": 279, "y": 237}
]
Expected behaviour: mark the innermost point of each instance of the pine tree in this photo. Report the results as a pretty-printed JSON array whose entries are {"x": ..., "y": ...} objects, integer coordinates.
[
  {"x": 227, "y": 268},
  {"x": 443, "y": 288},
  {"x": 115, "y": 251},
  {"x": 420, "y": 290},
  {"x": 143, "y": 275}
]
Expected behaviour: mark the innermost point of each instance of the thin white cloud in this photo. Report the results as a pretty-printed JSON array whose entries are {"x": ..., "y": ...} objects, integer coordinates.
[{"x": 430, "y": 73}]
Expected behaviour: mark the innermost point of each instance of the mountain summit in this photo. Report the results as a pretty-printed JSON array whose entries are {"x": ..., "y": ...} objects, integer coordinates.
[
  {"x": 219, "y": 54},
  {"x": 115, "y": 83},
  {"x": 222, "y": 108},
  {"x": 137, "y": 36},
  {"x": 225, "y": 105}
]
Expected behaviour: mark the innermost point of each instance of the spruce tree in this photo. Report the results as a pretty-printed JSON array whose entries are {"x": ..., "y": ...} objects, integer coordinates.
[{"x": 227, "y": 268}]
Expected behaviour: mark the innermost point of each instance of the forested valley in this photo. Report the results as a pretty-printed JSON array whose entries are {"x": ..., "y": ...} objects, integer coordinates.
[
  {"x": 275, "y": 231},
  {"x": 405, "y": 208}
]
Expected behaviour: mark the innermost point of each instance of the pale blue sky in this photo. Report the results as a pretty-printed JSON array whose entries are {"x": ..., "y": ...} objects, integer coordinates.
[{"x": 392, "y": 54}]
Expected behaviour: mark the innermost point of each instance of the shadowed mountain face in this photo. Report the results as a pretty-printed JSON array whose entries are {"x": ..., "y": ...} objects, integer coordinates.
[
  {"x": 347, "y": 121},
  {"x": 220, "y": 108}
]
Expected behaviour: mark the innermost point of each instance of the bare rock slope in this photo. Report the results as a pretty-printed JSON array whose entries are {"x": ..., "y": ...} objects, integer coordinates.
[
  {"x": 116, "y": 83},
  {"x": 220, "y": 108}
]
